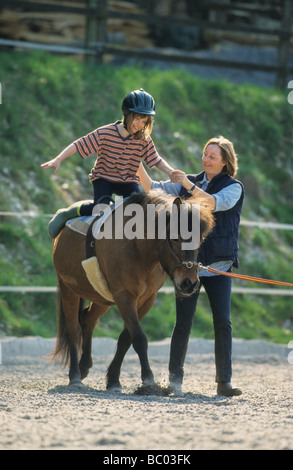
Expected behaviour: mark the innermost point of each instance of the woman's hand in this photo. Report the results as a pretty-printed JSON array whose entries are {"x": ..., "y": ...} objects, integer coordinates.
[{"x": 178, "y": 176}]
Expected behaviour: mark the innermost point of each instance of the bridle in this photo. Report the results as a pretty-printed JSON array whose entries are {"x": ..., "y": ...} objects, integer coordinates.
[{"x": 178, "y": 262}]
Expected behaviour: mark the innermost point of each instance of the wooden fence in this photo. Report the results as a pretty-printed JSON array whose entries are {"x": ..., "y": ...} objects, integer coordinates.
[
  {"x": 164, "y": 289},
  {"x": 206, "y": 19}
]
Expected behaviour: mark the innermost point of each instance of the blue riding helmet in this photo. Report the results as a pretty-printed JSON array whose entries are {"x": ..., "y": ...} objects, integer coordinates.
[{"x": 140, "y": 102}]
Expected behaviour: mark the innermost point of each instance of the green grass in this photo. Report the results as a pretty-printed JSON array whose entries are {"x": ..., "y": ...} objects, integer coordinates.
[{"x": 48, "y": 101}]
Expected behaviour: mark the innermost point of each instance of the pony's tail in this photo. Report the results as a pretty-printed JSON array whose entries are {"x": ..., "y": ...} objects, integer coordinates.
[{"x": 61, "y": 352}]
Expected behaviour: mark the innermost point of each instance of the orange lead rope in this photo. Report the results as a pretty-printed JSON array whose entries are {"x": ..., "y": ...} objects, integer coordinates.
[{"x": 243, "y": 276}]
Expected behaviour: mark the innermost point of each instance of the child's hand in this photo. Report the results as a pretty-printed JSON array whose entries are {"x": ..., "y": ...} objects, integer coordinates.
[{"x": 52, "y": 163}]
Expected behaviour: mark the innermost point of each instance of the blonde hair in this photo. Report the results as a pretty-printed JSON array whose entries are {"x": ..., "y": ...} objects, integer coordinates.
[
  {"x": 144, "y": 133},
  {"x": 228, "y": 154}
]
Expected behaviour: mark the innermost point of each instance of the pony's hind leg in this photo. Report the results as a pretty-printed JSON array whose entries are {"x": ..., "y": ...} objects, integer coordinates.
[
  {"x": 88, "y": 320},
  {"x": 69, "y": 332}
]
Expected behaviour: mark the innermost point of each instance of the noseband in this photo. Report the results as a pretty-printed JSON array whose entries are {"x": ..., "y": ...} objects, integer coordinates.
[{"x": 188, "y": 264}]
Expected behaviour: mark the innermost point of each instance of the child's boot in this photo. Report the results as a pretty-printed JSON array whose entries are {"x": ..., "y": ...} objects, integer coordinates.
[{"x": 60, "y": 218}]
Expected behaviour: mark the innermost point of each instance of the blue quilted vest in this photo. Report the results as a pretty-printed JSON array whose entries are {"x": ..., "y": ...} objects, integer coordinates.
[{"x": 222, "y": 243}]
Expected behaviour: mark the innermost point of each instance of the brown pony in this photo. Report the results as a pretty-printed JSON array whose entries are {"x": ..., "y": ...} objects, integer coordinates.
[{"x": 133, "y": 270}]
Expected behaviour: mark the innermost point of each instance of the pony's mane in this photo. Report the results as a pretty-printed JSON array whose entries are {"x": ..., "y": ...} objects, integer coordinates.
[
  {"x": 160, "y": 199},
  {"x": 156, "y": 196}
]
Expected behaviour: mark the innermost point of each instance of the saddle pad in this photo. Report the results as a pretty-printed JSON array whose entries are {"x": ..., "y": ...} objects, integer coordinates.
[
  {"x": 81, "y": 224},
  {"x": 96, "y": 277}
]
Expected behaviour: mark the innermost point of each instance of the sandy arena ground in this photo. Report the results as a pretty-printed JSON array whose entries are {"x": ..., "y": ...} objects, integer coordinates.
[{"x": 39, "y": 411}]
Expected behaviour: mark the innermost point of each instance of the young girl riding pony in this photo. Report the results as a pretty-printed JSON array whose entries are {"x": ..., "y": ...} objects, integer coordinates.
[{"x": 120, "y": 147}]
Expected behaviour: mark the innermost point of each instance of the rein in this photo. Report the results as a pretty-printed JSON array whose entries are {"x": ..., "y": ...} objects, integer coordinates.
[{"x": 243, "y": 276}]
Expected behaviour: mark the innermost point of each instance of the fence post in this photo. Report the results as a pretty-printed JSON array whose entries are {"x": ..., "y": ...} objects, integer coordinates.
[
  {"x": 96, "y": 28},
  {"x": 284, "y": 45}
]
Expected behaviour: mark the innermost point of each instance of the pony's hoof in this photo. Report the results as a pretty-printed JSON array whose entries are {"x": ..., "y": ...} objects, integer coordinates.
[
  {"x": 151, "y": 389},
  {"x": 115, "y": 388},
  {"x": 75, "y": 383},
  {"x": 175, "y": 389},
  {"x": 84, "y": 374}
]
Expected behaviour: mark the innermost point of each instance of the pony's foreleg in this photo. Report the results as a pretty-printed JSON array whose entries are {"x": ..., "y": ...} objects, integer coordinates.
[
  {"x": 123, "y": 344},
  {"x": 142, "y": 311},
  {"x": 140, "y": 345},
  {"x": 88, "y": 320},
  {"x": 138, "y": 338},
  {"x": 113, "y": 372}
]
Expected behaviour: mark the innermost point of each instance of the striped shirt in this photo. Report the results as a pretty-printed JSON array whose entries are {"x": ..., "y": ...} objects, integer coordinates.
[{"x": 118, "y": 157}]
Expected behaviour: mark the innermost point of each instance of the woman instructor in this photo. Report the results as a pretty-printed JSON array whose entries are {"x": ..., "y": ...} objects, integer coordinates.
[{"x": 219, "y": 250}]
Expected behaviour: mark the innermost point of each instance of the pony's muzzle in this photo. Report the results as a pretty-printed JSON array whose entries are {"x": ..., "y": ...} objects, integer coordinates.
[{"x": 187, "y": 287}]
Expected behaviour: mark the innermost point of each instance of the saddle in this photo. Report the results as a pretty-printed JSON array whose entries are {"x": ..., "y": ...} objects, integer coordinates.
[{"x": 89, "y": 227}]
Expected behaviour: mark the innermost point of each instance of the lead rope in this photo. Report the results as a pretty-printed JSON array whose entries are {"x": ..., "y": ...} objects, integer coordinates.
[{"x": 243, "y": 276}]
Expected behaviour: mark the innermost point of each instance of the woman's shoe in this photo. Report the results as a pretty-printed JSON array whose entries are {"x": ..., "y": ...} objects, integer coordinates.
[{"x": 226, "y": 389}]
